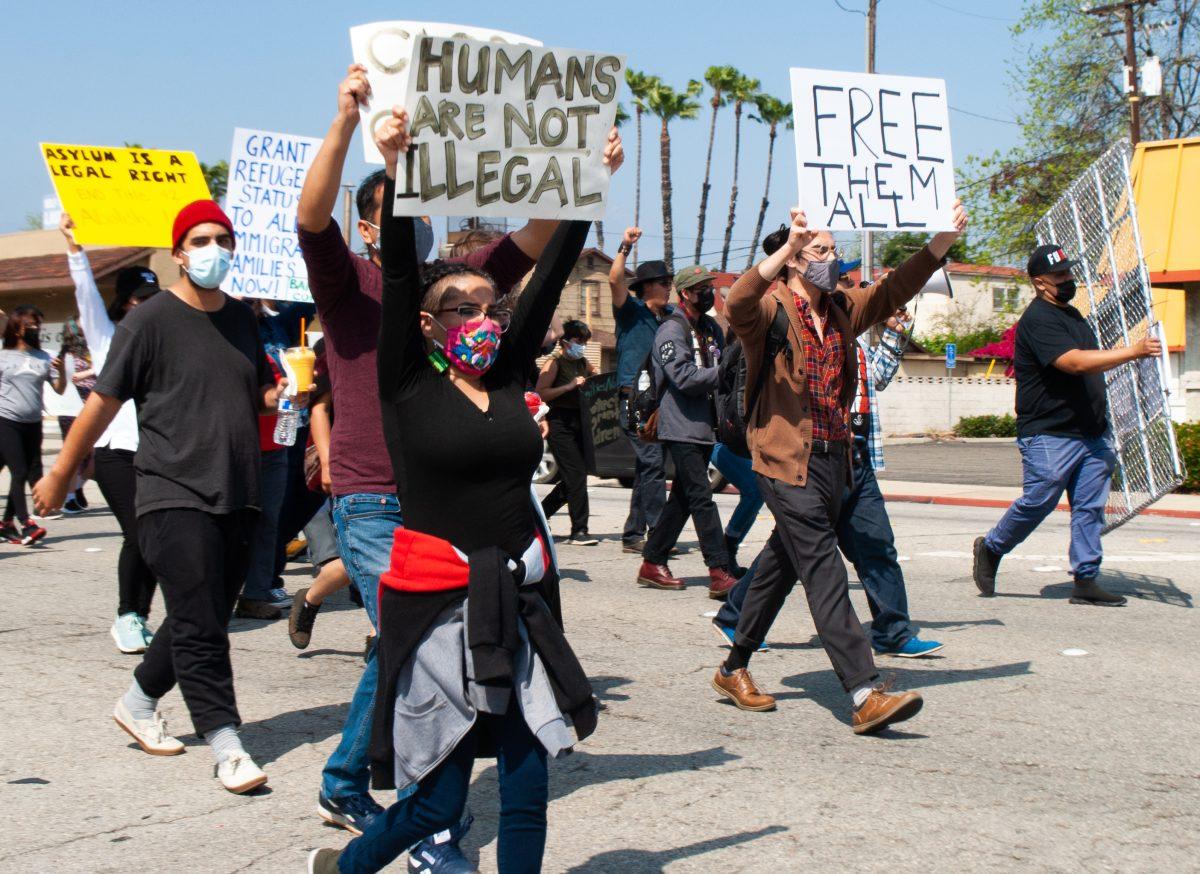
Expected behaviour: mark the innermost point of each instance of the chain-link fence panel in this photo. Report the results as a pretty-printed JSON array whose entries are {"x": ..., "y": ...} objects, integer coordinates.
[{"x": 1095, "y": 222}]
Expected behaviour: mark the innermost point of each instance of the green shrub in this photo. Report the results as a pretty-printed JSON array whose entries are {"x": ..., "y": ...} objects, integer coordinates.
[
  {"x": 986, "y": 426},
  {"x": 1187, "y": 435},
  {"x": 935, "y": 344}
]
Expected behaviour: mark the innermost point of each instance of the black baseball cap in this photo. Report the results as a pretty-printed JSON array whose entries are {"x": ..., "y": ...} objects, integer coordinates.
[
  {"x": 649, "y": 271},
  {"x": 133, "y": 283},
  {"x": 1049, "y": 258}
]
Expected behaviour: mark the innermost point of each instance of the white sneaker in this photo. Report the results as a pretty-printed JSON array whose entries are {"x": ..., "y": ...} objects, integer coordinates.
[
  {"x": 239, "y": 774},
  {"x": 150, "y": 734},
  {"x": 128, "y": 633}
]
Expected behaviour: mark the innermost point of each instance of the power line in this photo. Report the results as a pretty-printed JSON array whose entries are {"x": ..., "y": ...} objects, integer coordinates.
[
  {"x": 838, "y": 4},
  {"x": 969, "y": 14},
  {"x": 986, "y": 117}
]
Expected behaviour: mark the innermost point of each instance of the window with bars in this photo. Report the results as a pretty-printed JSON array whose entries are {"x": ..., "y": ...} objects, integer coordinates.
[{"x": 1005, "y": 299}]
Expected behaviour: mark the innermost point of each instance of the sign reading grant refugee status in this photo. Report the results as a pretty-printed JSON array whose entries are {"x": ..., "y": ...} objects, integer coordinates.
[
  {"x": 266, "y": 173},
  {"x": 385, "y": 49},
  {"x": 873, "y": 152},
  {"x": 507, "y": 131},
  {"x": 121, "y": 196}
]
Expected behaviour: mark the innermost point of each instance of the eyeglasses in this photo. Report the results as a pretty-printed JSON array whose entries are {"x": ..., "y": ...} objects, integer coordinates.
[
  {"x": 821, "y": 251},
  {"x": 470, "y": 313}
]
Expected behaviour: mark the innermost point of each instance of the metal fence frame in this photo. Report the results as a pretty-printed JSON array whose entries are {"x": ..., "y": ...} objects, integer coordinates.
[{"x": 1095, "y": 222}]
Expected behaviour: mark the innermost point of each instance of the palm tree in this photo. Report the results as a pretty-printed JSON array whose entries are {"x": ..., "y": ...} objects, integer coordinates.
[
  {"x": 720, "y": 79},
  {"x": 771, "y": 112},
  {"x": 640, "y": 85},
  {"x": 667, "y": 104},
  {"x": 622, "y": 117},
  {"x": 743, "y": 90}
]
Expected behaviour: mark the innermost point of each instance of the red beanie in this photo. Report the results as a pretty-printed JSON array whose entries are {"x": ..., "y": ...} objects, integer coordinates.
[{"x": 197, "y": 213}]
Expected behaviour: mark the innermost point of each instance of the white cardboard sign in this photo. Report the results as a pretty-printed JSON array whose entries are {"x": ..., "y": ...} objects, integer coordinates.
[
  {"x": 507, "y": 130},
  {"x": 385, "y": 49},
  {"x": 266, "y": 173},
  {"x": 873, "y": 152}
]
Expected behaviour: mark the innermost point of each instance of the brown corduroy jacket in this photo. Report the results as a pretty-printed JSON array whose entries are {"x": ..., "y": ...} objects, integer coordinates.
[{"x": 779, "y": 432}]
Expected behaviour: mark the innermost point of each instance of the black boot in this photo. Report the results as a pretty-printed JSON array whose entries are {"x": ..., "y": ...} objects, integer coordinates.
[
  {"x": 1087, "y": 592},
  {"x": 731, "y": 549}
]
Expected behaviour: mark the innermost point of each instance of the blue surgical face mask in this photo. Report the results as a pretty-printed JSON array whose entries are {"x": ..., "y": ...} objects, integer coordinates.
[
  {"x": 575, "y": 351},
  {"x": 209, "y": 265}
]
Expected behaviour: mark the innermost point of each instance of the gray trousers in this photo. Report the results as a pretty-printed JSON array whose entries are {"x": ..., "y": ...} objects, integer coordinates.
[{"x": 804, "y": 546}]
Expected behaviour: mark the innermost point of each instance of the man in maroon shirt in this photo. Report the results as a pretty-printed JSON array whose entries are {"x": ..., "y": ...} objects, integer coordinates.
[{"x": 347, "y": 290}]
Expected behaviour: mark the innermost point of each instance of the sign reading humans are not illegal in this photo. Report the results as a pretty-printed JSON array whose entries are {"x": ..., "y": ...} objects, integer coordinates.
[
  {"x": 507, "y": 131},
  {"x": 385, "y": 49},
  {"x": 873, "y": 152},
  {"x": 266, "y": 173},
  {"x": 121, "y": 196}
]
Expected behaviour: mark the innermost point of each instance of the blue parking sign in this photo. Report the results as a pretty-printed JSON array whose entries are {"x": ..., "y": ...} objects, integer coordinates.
[{"x": 951, "y": 355}]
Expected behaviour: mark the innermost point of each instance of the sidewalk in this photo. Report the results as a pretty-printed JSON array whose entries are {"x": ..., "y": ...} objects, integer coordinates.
[{"x": 1176, "y": 506}]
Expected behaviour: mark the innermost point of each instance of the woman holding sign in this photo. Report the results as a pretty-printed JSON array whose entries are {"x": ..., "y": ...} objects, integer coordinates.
[{"x": 472, "y": 658}]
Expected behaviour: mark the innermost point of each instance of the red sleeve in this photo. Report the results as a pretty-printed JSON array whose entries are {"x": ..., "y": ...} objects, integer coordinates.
[
  {"x": 503, "y": 260},
  {"x": 330, "y": 265}
]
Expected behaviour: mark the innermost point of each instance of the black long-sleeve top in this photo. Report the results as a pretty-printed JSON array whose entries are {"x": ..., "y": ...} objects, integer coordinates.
[{"x": 464, "y": 473}]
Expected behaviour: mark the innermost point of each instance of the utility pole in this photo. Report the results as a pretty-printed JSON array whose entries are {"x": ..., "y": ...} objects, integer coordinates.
[
  {"x": 868, "y": 247},
  {"x": 347, "y": 211},
  {"x": 1127, "y": 9}
]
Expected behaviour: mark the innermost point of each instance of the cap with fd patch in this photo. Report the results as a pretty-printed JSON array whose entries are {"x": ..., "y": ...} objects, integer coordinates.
[
  {"x": 1049, "y": 258},
  {"x": 689, "y": 276}
]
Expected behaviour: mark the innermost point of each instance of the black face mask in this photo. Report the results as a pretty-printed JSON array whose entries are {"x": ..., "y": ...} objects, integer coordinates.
[
  {"x": 32, "y": 337},
  {"x": 703, "y": 301},
  {"x": 1064, "y": 292}
]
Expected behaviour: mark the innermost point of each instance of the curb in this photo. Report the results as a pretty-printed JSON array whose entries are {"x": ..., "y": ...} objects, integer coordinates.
[{"x": 946, "y": 501}]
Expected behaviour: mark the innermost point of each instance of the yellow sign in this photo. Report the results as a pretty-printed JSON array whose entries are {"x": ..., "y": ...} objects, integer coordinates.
[{"x": 118, "y": 196}]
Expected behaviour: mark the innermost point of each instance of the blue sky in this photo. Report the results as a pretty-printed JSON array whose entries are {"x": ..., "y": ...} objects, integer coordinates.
[{"x": 182, "y": 76}]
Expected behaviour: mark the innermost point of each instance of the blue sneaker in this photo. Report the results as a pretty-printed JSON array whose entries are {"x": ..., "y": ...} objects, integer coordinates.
[
  {"x": 353, "y": 813},
  {"x": 727, "y": 636},
  {"x": 913, "y": 648},
  {"x": 127, "y": 633},
  {"x": 439, "y": 854}
]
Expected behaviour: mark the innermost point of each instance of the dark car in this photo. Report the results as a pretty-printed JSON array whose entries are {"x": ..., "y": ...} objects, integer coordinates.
[{"x": 616, "y": 461}]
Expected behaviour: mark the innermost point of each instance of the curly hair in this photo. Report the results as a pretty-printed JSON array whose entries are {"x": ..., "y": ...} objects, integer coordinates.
[
  {"x": 434, "y": 285},
  {"x": 575, "y": 329}
]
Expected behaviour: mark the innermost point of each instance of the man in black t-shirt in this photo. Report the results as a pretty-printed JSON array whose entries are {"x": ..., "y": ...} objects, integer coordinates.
[
  {"x": 1062, "y": 427},
  {"x": 193, "y": 362}
]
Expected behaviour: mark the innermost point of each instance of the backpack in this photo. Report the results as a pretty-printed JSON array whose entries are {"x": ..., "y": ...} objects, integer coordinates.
[{"x": 735, "y": 405}]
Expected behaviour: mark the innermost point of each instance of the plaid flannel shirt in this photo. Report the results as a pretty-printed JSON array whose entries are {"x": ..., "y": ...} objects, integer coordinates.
[
  {"x": 882, "y": 362},
  {"x": 823, "y": 362}
]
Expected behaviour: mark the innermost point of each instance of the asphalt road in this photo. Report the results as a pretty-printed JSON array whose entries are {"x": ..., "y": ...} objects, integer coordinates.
[
  {"x": 973, "y": 463},
  {"x": 1024, "y": 758}
]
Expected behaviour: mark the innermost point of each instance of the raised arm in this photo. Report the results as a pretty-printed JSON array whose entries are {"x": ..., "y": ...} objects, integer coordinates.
[
  {"x": 535, "y": 307},
  {"x": 93, "y": 315},
  {"x": 616, "y": 275},
  {"x": 319, "y": 195},
  {"x": 401, "y": 346},
  {"x": 744, "y": 307}
]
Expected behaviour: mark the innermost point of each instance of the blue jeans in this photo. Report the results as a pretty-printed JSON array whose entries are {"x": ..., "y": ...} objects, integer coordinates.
[
  {"x": 865, "y": 538},
  {"x": 1052, "y": 465},
  {"x": 440, "y": 798},
  {"x": 261, "y": 575},
  {"x": 364, "y": 523},
  {"x": 737, "y": 470}
]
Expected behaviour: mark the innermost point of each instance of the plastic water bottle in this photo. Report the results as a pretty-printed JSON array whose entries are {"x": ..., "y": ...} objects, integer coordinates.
[{"x": 287, "y": 421}]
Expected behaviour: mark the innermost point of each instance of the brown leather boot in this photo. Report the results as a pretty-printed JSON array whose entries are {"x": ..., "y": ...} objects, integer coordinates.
[
  {"x": 881, "y": 709},
  {"x": 740, "y": 688},
  {"x": 720, "y": 581},
  {"x": 658, "y": 576}
]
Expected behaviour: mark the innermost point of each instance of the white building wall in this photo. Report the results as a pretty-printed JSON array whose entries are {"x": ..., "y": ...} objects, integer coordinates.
[{"x": 920, "y": 404}]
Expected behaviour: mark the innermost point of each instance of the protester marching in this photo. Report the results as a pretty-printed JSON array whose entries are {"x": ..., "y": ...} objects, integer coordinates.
[{"x": 401, "y": 426}]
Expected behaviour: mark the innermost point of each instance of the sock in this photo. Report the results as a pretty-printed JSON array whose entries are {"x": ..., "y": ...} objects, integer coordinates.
[
  {"x": 860, "y": 695},
  {"x": 739, "y": 657},
  {"x": 138, "y": 703},
  {"x": 224, "y": 742}
]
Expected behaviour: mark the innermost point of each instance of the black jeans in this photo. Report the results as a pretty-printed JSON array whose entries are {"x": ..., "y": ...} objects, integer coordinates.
[
  {"x": 200, "y": 560},
  {"x": 566, "y": 442},
  {"x": 649, "y": 494},
  {"x": 691, "y": 496},
  {"x": 440, "y": 798},
  {"x": 117, "y": 479},
  {"x": 804, "y": 546},
  {"x": 300, "y": 503},
  {"x": 21, "y": 452}
]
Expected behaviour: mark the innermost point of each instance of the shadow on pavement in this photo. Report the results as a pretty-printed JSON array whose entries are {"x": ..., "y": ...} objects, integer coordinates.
[
  {"x": 631, "y": 860},
  {"x": 274, "y": 737},
  {"x": 1158, "y": 589},
  {"x": 604, "y": 685},
  {"x": 823, "y": 686}
]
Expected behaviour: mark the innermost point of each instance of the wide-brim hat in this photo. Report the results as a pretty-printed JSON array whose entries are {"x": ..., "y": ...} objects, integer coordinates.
[{"x": 649, "y": 271}]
